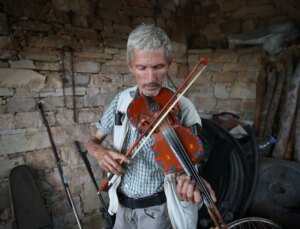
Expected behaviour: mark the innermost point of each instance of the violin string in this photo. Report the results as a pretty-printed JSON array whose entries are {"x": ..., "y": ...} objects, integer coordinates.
[
  {"x": 181, "y": 152},
  {"x": 178, "y": 148}
]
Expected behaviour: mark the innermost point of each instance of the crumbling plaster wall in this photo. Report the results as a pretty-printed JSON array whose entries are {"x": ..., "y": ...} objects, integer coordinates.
[{"x": 35, "y": 67}]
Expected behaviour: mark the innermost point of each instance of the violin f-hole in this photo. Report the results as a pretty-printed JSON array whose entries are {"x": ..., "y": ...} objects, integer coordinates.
[{"x": 144, "y": 124}]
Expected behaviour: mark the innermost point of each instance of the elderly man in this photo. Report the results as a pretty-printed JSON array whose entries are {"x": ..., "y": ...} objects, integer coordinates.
[{"x": 143, "y": 196}]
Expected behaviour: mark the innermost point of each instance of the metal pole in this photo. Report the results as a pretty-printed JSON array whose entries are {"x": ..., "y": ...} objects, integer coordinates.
[{"x": 58, "y": 163}]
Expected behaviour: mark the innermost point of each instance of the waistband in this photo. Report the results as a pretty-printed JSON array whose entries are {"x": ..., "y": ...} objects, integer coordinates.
[{"x": 144, "y": 202}]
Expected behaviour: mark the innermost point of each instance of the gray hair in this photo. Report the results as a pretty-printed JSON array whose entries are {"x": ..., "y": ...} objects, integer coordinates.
[{"x": 148, "y": 37}]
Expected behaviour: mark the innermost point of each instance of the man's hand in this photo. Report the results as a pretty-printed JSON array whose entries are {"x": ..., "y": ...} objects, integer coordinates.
[
  {"x": 108, "y": 159},
  {"x": 188, "y": 191}
]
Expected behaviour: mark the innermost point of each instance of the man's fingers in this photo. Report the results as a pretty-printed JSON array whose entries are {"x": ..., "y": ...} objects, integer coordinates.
[
  {"x": 110, "y": 162},
  {"x": 112, "y": 165},
  {"x": 115, "y": 170},
  {"x": 119, "y": 156},
  {"x": 184, "y": 190},
  {"x": 197, "y": 196},
  {"x": 180, "y": 181},
  {"x": 190, "y": 191},
  {"x": 210, "y": 190}
]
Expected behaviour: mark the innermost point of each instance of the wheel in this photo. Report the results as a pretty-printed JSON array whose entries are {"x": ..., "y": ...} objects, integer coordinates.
[{"x": 253, "y": 222}]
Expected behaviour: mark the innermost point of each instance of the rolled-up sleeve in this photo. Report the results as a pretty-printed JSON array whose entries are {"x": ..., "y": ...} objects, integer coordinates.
[{"x": 106, "y": 123}]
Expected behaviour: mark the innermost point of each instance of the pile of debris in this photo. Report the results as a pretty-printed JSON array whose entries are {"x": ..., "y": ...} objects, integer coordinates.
[{"x": 277, "y": 110}]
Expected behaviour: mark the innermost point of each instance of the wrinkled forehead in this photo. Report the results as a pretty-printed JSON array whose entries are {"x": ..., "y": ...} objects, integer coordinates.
[
  {"x": 158, "y": 52},
  {"x": 144, "y": 53}
]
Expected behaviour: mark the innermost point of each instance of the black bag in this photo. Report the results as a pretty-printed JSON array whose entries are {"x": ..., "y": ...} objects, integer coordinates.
[{"x": 29, "y": 210}]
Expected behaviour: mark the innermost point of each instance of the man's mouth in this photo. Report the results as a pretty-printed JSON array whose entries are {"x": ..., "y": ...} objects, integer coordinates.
[{"x": 151, "y": 86}]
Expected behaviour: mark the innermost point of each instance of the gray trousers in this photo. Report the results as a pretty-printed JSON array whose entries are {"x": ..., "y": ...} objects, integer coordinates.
[{"x": 155, "y": 217}]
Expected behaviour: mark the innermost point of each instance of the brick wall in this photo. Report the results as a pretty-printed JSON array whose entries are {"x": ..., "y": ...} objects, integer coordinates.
[
  {"x": 229, "y": 82},
  {"x": 35, "y": 66}
]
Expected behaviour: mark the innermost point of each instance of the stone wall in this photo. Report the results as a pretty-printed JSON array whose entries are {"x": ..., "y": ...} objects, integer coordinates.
[
  {"x": 229, "y": 82},
  {"x": 36, "y": 63}
]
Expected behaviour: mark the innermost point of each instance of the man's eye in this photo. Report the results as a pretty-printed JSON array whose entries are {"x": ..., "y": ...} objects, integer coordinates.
[
  {"x": 140, "y": 67},
  {"x": 159, "y": 66}
]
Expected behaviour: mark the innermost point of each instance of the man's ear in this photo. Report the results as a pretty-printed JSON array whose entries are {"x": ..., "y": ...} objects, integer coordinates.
[
  {"x": 171, "y": 59},
  {"x": 129, "y": 66}
]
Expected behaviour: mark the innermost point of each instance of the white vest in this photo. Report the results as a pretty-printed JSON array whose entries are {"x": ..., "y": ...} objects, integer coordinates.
[{"x": 183, "y": 215}]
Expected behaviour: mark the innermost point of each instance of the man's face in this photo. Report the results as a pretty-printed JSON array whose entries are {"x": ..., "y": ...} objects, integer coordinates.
[{"x": 149, "y": 69}]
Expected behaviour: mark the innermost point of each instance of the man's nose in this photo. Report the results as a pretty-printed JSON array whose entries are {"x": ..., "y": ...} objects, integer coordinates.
[{"x": 150, "y": 75}]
